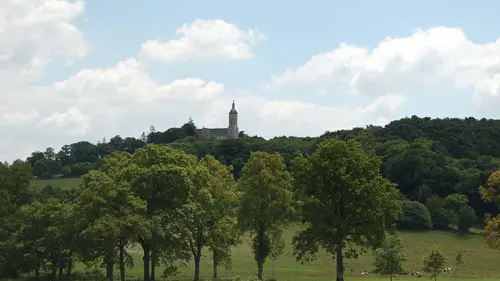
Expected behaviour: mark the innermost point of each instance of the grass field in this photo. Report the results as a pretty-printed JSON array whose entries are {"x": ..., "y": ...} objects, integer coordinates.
[
  {"x": 481, "y": 262},
  {"x": 64, "y": 183}
]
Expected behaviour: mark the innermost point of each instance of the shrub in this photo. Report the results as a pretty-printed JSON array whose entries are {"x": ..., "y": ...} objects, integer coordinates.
[{"x": 415, "y": 216}]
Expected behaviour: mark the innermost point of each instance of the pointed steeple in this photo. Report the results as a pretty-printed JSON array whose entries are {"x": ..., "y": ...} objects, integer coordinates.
[{"x": 233, "y": 109}]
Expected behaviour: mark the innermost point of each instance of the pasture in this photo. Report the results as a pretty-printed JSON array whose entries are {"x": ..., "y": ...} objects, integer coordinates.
[{"x": 481, "y": 262}]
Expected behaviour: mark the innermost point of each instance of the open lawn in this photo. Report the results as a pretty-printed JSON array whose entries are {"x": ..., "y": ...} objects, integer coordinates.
[
  {"x": 64, "y": 183},
  {"x": 480, "y": 261}
]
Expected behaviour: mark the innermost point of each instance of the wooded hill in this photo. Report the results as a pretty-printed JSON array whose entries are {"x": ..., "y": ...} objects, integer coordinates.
[{"x": 424, "y": 156}]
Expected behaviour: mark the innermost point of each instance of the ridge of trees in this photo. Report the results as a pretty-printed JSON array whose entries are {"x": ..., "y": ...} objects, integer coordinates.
[{"x": 424, "y": 156}]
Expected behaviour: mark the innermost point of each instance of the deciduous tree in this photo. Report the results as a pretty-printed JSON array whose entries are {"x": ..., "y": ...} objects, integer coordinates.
[
  {"x": 267, "y": 202},
  {"x": 347, "y": 203},
  {"x": 389, "y": 258},
  {"x": 434, "y": 261},
  {"x": 491, "y": 193},
  {"x": 211, "y": 201},
  {"x": 111, "y": 213},
  {"x": 160, "y": 176}
]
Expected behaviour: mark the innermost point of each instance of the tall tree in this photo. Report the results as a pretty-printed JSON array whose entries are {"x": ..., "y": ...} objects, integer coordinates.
[
  {"x": 267, "y": 202},
  {"x": 491, "y": 193},
  {"x": 347, "y": 203},
  {"x": 110, "y": 211},
  {"x": 212, "y": 199},
  {"x": 160, "y": 176}
]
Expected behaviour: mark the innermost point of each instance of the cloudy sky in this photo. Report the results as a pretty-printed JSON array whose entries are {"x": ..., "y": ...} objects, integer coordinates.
[{"x": 84, "y": 70}]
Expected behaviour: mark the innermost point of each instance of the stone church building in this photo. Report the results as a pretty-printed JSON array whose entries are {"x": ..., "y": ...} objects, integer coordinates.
[{"x": 231, "y": 132}]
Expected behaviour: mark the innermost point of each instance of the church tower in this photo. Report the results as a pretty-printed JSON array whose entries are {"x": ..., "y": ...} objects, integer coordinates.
[{"x": 232, "y": 130}]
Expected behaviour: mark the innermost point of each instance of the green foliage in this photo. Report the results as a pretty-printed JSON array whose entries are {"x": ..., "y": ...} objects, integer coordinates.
[
  {"x": 434, "y": 261},
  {"x": 415, "y": 216},
  {"x": 439, "y": 162},
  {"x": 267, "y": 202},
  {"x": 389, "y": 258},
  {"x": 441, "y": 216},
  {"x": 346, "y": 202},
  {"x": 466, "y": 217}
]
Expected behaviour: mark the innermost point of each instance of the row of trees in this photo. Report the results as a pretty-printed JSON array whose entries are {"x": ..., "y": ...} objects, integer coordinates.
[{"x": 175, "y": 205}]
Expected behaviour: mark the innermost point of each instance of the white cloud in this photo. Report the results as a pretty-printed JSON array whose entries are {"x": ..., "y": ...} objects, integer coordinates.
[
  {"x": 204, "y": 40},
  {"x": 124, "y": 99},
  {"x": 435, "y": 55},
  {"x": 34, "y": 33}
]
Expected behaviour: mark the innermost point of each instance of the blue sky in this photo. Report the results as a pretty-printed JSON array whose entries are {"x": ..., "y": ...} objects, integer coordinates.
[{"x": 76, "y": 70}]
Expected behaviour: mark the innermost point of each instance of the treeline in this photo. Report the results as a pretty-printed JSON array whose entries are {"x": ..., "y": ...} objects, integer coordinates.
[
  {"x": 175, "y": 205},
  {"x": 423, "y": 156}
]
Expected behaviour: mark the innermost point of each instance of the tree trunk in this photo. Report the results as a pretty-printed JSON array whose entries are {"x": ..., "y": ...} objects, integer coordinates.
[
  {"x": 109, "y": 271},
  {"x": 215, "y": 259},
  {"x": 390, "y": 271},
  {"x": 145, "y": 260},
  {"x": 260, "y": 254},
  {"x": 197, "y": 259},
  {"x": 153, "y": 263},
  {"x": 61, "y": 269},
  {"x": 53, "y": 273},
  {"x": 37, "y": 273},
  {"x": 340, "y": 263},
  {"x": 122, "y": 261},
  {"x": 273, "y": 270},
  {"x": 70, "y": 266}
]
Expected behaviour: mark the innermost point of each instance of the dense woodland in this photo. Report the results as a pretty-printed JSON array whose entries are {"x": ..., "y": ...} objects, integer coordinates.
[
  {"x": 423, "y": 156},
  {"x": 177, "y": 194}
]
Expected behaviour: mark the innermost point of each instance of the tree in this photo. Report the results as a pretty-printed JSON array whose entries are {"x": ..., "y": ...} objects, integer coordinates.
[
  {"x": 110, "y": 212},
  {"x": 160, "y": 176},
  {"x": 223, "y": 232},
  {"x": 389, "y": 258},
  {"x": 277, "y": 245},
  {"x": 211, "y": 201},
  {"x": 491, "y": 193},
  {"x": 459, "y": 259},
  {"x": 346, "y": 202},
  {"x": 267, "y": 202},
  {"x": 414, "y": 217},
  {"x": 434, "y": 261},
  {"x": 454, "y": 203},
  {"x": 440, "y": 216},
  {"x": 466, "y": 217}
]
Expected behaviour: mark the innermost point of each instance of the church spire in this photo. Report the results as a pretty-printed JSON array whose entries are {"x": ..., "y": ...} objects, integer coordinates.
[{"x": 233, "y": 109}]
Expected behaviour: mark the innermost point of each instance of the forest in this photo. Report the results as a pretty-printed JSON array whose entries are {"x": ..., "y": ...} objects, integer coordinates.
[
  {"x": 423, "y": 156},
  {"x": 176, "y": 195}
]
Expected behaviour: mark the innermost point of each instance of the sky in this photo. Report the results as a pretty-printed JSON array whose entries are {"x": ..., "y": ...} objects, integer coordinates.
[{"x": 88, "y": 70}]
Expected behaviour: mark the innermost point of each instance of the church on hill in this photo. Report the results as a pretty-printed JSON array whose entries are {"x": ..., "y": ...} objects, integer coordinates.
[{"x": 231, "y": 132}]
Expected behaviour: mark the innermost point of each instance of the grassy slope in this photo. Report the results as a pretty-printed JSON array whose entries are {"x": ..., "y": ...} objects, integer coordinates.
[
  {"x": 480, "y": 261},
  {"x": 63, "y": 183}
]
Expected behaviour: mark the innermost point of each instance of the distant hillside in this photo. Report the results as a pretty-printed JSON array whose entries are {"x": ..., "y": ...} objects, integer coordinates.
[{"x": 424, "y": 156}]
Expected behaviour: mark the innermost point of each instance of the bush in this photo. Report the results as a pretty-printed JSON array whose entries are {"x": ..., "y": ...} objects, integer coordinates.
[
  {"x": 466, "y": 217},
  {"x": 415, "y": 216},
  {"x": 440, "y": 216}
]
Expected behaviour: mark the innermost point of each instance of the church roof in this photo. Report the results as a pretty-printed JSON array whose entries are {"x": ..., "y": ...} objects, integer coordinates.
[{"x": 219, "y": 132}]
